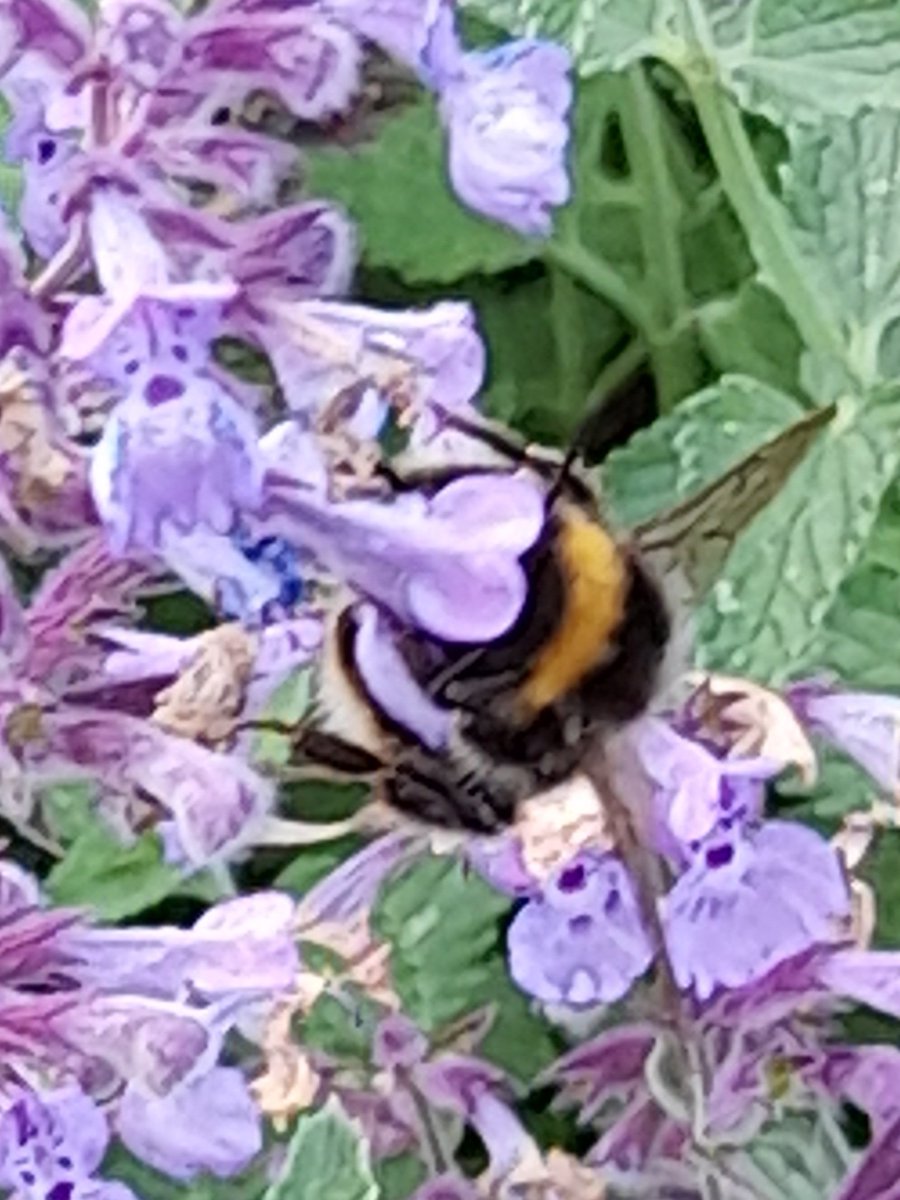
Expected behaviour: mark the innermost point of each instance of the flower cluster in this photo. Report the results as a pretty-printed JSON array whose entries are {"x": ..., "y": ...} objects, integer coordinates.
[{"x": 690, "y": 954}]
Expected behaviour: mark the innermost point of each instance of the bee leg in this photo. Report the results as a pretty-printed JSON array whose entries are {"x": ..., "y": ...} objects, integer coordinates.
[{"x": 436, "y": 790}]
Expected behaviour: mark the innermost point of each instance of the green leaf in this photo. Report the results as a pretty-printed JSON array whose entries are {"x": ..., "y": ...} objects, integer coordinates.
[
  {"x": 398, "y": 1177},
  {"x": 397, "y": 192},
  {"x": 681, "y": 452},
  {"x": 881, "y": 868},
  {"x": 860, "y": 638},
  {"x": 443, "y": 925},
  {"x": 68, "y": 809},
  {"x": 842, "y": 190},
  {"x": 801, "y": 1157},
  {"x": 800, "y": 58},
  {"x": 751, "y": 333},
  {"x": 532, "y": 384},
  {"x": 785, "y": 572},
  {"x": 288, "y": 704},
  {"x": 342, "y": 1025},
  {"x": 115, "y": 880},
  {"x": 314, "y": 863},
  {"x": 10, "y": 176},
  {"x": 603, "y": 35},
  {"x": 327, "y": 1157}
]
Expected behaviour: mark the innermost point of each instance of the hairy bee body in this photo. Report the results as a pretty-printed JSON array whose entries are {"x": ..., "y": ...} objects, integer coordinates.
[{"x": 585, "y": 654}]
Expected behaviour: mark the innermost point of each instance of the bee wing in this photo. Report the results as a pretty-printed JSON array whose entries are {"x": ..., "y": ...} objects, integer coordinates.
[{"x": 687, "y": 545}]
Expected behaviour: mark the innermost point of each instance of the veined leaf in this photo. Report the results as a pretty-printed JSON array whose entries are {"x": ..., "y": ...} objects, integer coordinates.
[
  {"x": 784, "y": 574},
  {"x": 797, "y": 59},
  {"x": 443, "y": 925},
  {"x": 327, "y": 1157},
  {"x": 114, "y": 880},
  {"x": 687, "y": 449},
  {"x": 602, "y": 35},
  {"x": 842, "y": 189}
]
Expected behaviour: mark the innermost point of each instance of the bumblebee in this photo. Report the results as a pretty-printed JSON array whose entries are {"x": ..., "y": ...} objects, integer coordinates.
[{"x": 585, "y": 656}]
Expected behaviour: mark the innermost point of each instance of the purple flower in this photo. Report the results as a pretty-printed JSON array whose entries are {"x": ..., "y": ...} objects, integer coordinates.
[
  {"x": 400, "y": 27},
  {"x": 869, "y": 977},
  {"x": 447, "y": 564},
  {"x": 178, "y": 452},
  {"x": 311, "y": 63},
  {"x": 52, "y": 1144},
  {"x": 351, "y": 887},
  {"x": 692, "y": 786},
  {"x": 875, "y": 1176},
  {"x": 446, "y": 1187},
  {"x": 425, "y": 363},
  {"x": 474, "y": 1091},
  {"x": 58, "y": 29},
  {"x": 211, "y": 1124},
  {"x": 749, "y": 900},
  {"x": 141, "y": 40},
  {"x": 47, "y": 155},
  {"x": 141, "y": 1009},
  {"x": 178, "y": 456},
  {"x": 863, "y": 726},
  {"x": 608, "y": 1067},
  {"x": 62, "y": 720},
  {"x": 390, "y": 683},
  {"x": 506, "y": 115},
  {"x": 582, "y": 942}
]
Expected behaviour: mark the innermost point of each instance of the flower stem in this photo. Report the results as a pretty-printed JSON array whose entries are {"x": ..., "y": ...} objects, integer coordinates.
[
  {"x": 761, "y": 214},
  {"x": 601, "y": 278}
]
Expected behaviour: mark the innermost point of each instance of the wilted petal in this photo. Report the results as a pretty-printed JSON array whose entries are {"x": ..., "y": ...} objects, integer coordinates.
[
  {"x": 749, "y": 901},
  {"x": 432, "y": 560},
  {"x": 45, "y": 501},
  {"x": 864, "y": 726},
  {"x": 506, "y": 114},
  {"x": 210, "y": 1124},
  {"x": 583, "y": 941}
]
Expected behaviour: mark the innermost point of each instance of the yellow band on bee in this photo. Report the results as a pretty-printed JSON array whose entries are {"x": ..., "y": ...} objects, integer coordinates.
[{"x": 596, "y": 579}]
